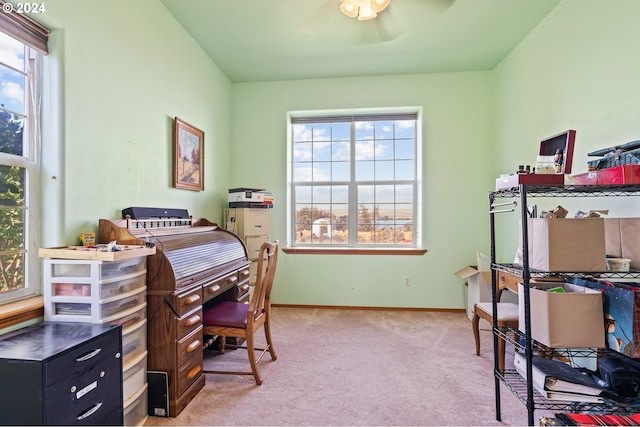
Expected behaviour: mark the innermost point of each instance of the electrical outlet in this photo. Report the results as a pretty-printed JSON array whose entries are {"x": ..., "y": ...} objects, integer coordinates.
[{"x": 407, "y": 281}]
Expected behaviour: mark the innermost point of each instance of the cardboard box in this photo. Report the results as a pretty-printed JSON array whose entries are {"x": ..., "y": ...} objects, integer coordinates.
[
  {"x": 573, "y": 319},
  {"x": 567, "y": 244},
  {"x": 621, "y": 239},
  {"x": 478, "y": 278}
]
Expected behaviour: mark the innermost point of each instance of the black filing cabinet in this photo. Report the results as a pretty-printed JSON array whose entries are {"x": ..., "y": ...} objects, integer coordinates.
[{"x": 59, "y": 373}]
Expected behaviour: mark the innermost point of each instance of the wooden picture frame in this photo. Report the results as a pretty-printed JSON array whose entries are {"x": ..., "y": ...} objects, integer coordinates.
[{"x": 188, "y": 156}]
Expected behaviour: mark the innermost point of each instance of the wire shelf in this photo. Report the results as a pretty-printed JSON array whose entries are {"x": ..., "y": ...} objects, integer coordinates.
[
  {"x": 518, "y": 385},
  {"x": 517, "y": 269},
  {"x": 516, "y": 338},
  {"x": 570, "y": 191},
  {"x": 511, "y": 378}
]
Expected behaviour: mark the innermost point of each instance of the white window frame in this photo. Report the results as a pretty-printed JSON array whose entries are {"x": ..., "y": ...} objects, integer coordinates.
[
  {"x": 30, "y": 161},
  {"x": 380, "y": 114}
]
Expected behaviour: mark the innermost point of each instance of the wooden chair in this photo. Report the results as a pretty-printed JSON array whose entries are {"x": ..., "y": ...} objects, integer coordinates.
[
  {"x": 507, "y": 317},
  {"x": 241, "y": 320}
]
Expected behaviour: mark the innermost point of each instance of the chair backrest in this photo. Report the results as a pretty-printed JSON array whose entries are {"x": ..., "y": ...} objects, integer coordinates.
[{"x": 261, "y": 300}]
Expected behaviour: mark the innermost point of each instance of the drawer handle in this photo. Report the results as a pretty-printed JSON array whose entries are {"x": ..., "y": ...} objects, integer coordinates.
[
  {"x": 193, "y": 346},
  {"x": 89, "y": 412},
  {"x": 244, "y": 287},
  {"x": 193, "y": 372},
  {"x": 192, "y": 320},
  {"x": 214, "y": 288},
  {"x": 192, "y": 299},
  {"x": 245, "y": 273},
  {"x": 89, "y": 355},
  {"x": 232, "y": 279}
]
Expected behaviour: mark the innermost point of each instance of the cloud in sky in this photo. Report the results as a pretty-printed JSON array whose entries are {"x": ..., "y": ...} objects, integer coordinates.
[
  {"x": 11, "y": 52},
  {"x": 12, "y": 92},
  {"x": 11, "y": 81}
]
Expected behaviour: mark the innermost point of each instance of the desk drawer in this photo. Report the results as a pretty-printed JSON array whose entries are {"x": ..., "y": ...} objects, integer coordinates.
[
  {"x": 241, "y": 291},
  {"x": 189, "y": 346},
  {"x": 86, "y": 355},
  {"x": 187, "y": 301},
  {"x": 190, "y": 359},
  {"x": 213, "y": 289},
  {"x": 189, "y": 374},
  {"x": 244, "y": 274},
  {"x": 508, "y": 281},
  {"x": 189, "y": 322},
  {"x": 87, "y": 397}
]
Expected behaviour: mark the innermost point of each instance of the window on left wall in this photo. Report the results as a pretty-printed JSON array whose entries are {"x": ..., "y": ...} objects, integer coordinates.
[{"x": 21, "y": 54}]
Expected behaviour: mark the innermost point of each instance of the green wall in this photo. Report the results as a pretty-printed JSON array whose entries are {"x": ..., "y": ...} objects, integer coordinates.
[
  {"x": 457, "y": 164},
  {"x": 127, "y": 68}
]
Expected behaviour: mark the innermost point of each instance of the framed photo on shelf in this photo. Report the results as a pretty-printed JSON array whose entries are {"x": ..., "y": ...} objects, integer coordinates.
[{"x": 188, "y": 156}]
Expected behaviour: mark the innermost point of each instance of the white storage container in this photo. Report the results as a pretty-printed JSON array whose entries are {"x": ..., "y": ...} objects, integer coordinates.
[
  {"x": 106, "y": 289},
  {"x": 95, "y": 291},
  {"x": 134, "y": 340},
  {"x": 91, "y": 309},
  {"x": 134, "y": 376},
  {"x": 135, "y": 408},
  {"x": 130, "y": 316},
  {"x": 95, "y": 268},
  {"x": 117, "y": 304}
]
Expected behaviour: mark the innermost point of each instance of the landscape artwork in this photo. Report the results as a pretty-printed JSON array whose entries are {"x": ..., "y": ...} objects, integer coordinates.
[{"x": 188, "y": 171}]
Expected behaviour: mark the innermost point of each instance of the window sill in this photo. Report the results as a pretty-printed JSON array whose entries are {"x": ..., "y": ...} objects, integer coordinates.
[
  {"x": 21, "y": 311},
  {"x": 352, "y": 251}
]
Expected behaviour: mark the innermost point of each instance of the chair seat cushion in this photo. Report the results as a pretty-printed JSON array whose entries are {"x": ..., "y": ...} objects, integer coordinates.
[
  {"x": 229, "y": 314},
  {"x": 507, "y": 311}
]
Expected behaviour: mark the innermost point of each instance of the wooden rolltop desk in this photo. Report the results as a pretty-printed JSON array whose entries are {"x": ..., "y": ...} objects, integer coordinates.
[{"x": 195, "y": 262}]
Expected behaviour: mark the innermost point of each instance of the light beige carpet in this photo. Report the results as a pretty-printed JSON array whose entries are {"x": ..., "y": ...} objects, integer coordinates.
[{"x": 358, "y": 368}]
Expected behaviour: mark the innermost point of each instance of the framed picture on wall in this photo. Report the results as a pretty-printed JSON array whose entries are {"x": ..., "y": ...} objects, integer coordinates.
[{"x": 188, "y": 156}]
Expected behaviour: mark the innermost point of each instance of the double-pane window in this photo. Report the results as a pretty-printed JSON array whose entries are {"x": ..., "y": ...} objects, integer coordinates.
[
  {"x": 18, "y": 167},
  {"x": 354, "y": 180}
]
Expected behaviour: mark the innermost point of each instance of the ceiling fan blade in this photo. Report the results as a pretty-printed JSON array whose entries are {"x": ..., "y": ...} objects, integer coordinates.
[
  {"x": 318, "y": 16},
  {"x": 388, "y": 25},
  {"x": 440, "y": 5}
]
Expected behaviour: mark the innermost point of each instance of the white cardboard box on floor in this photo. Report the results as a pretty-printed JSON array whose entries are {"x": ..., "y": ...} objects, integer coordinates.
[{"x": 478, "y": 278}]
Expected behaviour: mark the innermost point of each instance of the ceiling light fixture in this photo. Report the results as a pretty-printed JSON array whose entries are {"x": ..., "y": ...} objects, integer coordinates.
[{"x": 363, "y": 9}]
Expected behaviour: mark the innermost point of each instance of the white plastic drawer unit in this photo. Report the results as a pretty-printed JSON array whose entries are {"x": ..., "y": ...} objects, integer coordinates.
[
  {"x": 135, "y": 408},
  {"x": 134, "y": 340},
  {"x": 95, "y": 311},
  {"x": 95, "y": 268},
  {"x": 94, "y": 291},
  {"x": 134, "y": 376},
  {"x": 129, "y": 316},
  {"x": 105, "y": 290}
]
